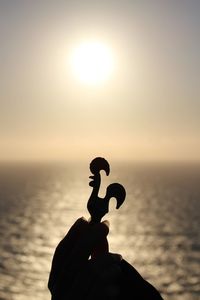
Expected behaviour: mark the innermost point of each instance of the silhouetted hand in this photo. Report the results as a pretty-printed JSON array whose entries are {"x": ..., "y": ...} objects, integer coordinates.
[
  {"x": 74, "y": 275},
  {"x": 83, "y": 268}
]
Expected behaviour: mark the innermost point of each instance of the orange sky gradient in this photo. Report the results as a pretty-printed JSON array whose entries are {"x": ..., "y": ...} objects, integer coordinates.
[{"x": 149, "y": 107}]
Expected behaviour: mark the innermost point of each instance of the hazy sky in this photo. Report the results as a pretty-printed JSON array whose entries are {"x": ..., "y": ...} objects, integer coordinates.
[{"x": 148, "y": 109}]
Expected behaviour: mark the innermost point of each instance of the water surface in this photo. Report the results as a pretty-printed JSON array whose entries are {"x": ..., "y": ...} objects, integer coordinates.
[{"x": 156, "y": 229}]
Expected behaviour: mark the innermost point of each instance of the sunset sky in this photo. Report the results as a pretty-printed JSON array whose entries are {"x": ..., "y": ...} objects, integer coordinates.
[{"x": 148, "y": 106}]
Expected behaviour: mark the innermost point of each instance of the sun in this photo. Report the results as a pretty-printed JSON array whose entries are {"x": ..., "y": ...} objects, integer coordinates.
[{"x": 92, "y": 62}]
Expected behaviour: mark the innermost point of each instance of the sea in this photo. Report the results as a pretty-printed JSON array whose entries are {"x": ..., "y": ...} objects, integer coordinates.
[{"x": 157, "y": 228}]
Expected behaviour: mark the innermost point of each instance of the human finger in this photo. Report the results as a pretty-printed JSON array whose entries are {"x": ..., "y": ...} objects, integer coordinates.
[
  {"x": 64, "y": 249},
  {"x": 102, "y": 247},
  {"x": 94, "y": 236},
  {"x": 78, "y": 258}
]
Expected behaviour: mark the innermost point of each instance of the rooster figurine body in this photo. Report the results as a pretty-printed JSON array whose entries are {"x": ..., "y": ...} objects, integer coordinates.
[{"x": 97, "y": 206}]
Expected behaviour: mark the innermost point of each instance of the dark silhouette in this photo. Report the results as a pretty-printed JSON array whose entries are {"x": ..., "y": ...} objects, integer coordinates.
[
  {"x": 83, "y": 267},
  {"x": 98, "y": 207}
]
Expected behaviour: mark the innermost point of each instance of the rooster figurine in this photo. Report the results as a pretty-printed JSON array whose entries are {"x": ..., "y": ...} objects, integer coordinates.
[{"x": 97, "y": 206}]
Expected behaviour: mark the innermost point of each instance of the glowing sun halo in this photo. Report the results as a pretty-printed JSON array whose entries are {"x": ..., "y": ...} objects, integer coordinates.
[{"x": 92, "y": 62}]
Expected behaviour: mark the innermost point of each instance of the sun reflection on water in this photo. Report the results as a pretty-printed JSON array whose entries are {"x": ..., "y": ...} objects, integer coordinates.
[{"x": 156, "y": 229}]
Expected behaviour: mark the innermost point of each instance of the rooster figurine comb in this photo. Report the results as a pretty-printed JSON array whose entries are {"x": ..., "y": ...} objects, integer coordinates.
[{"x": 97, "y": 206}]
